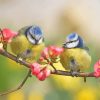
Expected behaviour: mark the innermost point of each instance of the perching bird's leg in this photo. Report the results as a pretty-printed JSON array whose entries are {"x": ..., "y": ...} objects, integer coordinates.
[
  {"x": 18, "y": 59},
  {"x": 20, "y": 86},
  {"x": 74, "y": 68},
  {"x": 24, "y": 55},
  {"x": 5, "y": 46},
  {"x": 84, "y": 79},
  {"x": 74, "y": 73}
]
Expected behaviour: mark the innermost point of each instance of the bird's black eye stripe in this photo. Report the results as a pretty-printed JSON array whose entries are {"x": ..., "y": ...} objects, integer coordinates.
[
  {"x": 35, "y": 38},
  {"x": 36, "y": 41},
  {"x": 72, "y": 41},
  {"x": 32, "y": 36}
]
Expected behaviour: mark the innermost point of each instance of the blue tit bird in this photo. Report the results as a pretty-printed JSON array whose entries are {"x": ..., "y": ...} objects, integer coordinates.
[
  {"x": 75, "y": 56},
  {"x": 29, "y": 43}
]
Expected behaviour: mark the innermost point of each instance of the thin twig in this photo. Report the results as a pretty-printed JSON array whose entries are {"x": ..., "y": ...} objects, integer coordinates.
[
  {"x": 20, "y": 86},
  {"x": 51, "y": 64}
]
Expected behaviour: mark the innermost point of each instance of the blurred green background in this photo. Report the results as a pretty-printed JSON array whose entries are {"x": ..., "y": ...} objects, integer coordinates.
[{"x": 57, "y": 18}]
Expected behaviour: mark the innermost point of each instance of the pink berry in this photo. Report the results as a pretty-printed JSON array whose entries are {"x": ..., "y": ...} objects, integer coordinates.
[
  {"x": 97, "y": 69},
  {"x": 41, "y": 76},
  {"x": 45, "y": 54},
  {"x": 36, "y": 71},
  {"x": 55, "y": 51},
  {"x": 8, "y": 34},
  {"x": 46, "y": 72},
  {"x": 41, "y": 59},
  {"x": 35, "y": 68},
  {"x": 96, "y": 74}
]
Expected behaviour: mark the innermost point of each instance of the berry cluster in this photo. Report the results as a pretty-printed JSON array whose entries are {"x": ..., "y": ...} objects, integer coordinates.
[
  {"x": 51, "y": 54},
  {"x": 7, "y": 35},
  {"x": 41, "y": 74}
]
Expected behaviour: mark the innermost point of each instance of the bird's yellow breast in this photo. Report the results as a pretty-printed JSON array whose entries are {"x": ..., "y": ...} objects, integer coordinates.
[
  {"x": 36, "y": 52},
  {"x": 81, "y": 56},
  {"x": 19, "y": 44},
  {"x": 37, "y": 49}
]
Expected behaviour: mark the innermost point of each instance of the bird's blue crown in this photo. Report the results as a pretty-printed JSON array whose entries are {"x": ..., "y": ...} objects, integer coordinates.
[
  {"x": 34, "y": 34},
  {"x": 72, "y": 36},
  {"x": 34, "y": 30},
  {"x": 73, "y": 40}
]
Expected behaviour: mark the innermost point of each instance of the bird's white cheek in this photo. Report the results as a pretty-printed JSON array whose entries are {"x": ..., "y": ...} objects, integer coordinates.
[
  {"x": 30, "y": 39},
  {"x": 72, "y": 45}
]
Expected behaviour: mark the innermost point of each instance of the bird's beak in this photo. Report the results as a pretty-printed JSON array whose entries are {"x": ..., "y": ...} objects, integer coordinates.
[{"x": 64, "y": 44}]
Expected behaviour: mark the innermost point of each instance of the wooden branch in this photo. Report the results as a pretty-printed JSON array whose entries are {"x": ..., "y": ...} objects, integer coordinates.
[
  {"x": 57, "y": 72},
  {"x": 26, "y": 64},
  {"x": 67, "y": 73},
  {"x": 14, "y": 58}
]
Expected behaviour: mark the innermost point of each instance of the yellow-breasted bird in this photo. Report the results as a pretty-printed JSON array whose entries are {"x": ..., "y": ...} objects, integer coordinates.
[
  {"x": 29, "y": 43},
  {"x": 75, "y": 56}
]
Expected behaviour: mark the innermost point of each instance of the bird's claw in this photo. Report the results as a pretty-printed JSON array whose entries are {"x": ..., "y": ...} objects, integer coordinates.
[
  {"x": 74, "y": 73},
  {"x": 18, "y": 59}
]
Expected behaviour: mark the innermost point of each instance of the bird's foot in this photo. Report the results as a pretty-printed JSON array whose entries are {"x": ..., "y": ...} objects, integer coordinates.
[
  {"x": 74, "y": 73},
  {"x": 18, "y": 59}
]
